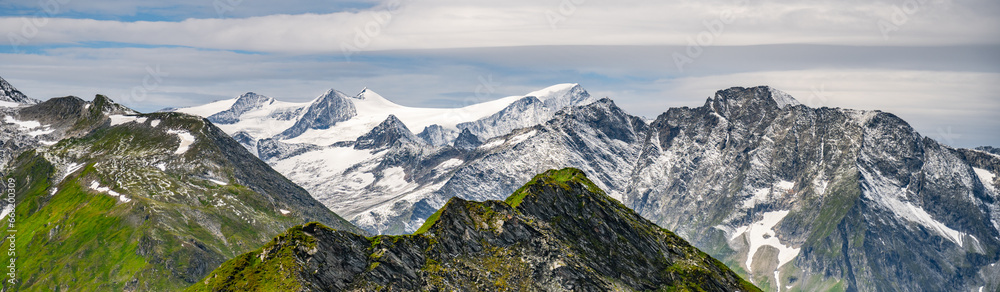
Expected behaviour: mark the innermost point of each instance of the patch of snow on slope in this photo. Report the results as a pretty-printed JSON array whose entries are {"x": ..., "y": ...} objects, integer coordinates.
[
  {"x": 94, "y": 185},
  {"x": 262, "y": 122},
  {"x": 210, "y": 108},
  {"x": 450, "y": 163},
  {"x": 784, "y": 185},
  {"x": 4, "y": 103},
  {"x": 986, "y": 177},
  {"x": 887, "y": 195},
  {"x": 493, "y": 143},
  {"x": 47, "y": 130},
  {"x": 759, "y": 196},
  {"x": 218, "y": 182},
  {"x": 284, "y": 212},
  {"x": 186, "y": 140},
  {"x": 761, "y": 233},
  {"x": 522, "y": 137},
  {"x": 71, "y": 168},
  {"x": 783, "y": 99},
  {"x": 154, "y": 123},
  {"x": 394, "y": 180},
  {"x": 122, "y": 119},
  {"x": 820, "y": 186},
  {"x": 34, "y": 127},
  {"x": 27, "y": 125},
  {"x": 162, "y": 166},
  {"x": 6, "y": 210}
]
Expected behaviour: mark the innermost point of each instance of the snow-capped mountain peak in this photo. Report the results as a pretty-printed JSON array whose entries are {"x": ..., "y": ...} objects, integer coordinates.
[
  {"x": 388, "y": 133},
  {"x": 532, "y": 109},
  {"x": 244, "y": 103},
  {"x": 12, "y": 97},
  {"x": 748, "y": 101},
  {"x": 325, "y": 112},
  {"x": 554, "y": 91}
]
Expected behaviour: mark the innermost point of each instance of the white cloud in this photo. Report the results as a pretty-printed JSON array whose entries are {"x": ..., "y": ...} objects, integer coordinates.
[{"x": 432, "y": 24}]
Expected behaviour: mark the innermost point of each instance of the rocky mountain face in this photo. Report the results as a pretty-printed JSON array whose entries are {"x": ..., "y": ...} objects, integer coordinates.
[
  {"x": 329, "y": 109},
  {"x": 389, "y": 133},
  {"x": 109, "y": 199},
  {"x": 559, "y": 232},
  {"x": 796, "y": 197},
  {"x": 533, "y": 109},
  {"x": 371, "y": 167},
  {"x": 10, "y": 94},
  {"x": 793, "y": 197},
  {"x": 245, "y": 103}
]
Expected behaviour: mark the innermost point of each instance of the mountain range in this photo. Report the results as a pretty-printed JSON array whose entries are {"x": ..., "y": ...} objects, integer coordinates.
[
  {"x": 793, "y": 197},
  {"x": 110, "y": 199},
  {"x": 788, "y": 196}
]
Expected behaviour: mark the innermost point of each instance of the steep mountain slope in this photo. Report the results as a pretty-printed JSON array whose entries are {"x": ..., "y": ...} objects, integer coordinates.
[
  {"x": 535, "y": 108},
  {"x": 559, "y": 232},
  {"x": 141, "y": 202},
  {"x": 369, "y": 166},
  {"x": 10, "y": 96},
  {"x": 791, "y": 196},
  {"x": 797, "y": 197}
]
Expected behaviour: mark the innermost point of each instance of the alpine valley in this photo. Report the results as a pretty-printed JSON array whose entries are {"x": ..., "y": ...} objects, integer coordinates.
[{"x": 789, "y": 196}]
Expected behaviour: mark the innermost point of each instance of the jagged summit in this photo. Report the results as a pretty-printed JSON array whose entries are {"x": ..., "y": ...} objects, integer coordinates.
[
  {"x": 326, "y": 111},
  {"x": 532, "y": 109},
  {"x": 390, "y": 132},
  {"x": 107, "y": 106},
  {"x": 10, "y": 94},
  {"x": 746, "y": 101},
  {"x": 781, "y": 98},
  {"x": 244, "y": 103},
  {"x": 467, "y": 140}
]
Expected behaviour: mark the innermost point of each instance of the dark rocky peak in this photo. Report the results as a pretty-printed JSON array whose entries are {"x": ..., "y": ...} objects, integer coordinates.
[
  {"x": 11, "y": 94},
  {"x": 71, "y": 115},
  {"x": 327, "y": 110},
  {"x": 247, "y": 140},
  {"x": 389, "y": 133},
  {"x": 105, "y": 106},
  {"x": 604, "y": 116},
  {"x": 557, "y": 233},
  {"x": 467, "y": 140},
  {"x": 273, "y": 149},
  {"x": 246, "y": 102},
  {"x": 741, "y": 101},
  {"x": 69, "y": 108}
]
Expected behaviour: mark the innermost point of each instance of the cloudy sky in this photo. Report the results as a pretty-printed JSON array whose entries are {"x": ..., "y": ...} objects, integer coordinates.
[{"x": 935, "y": 63}]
